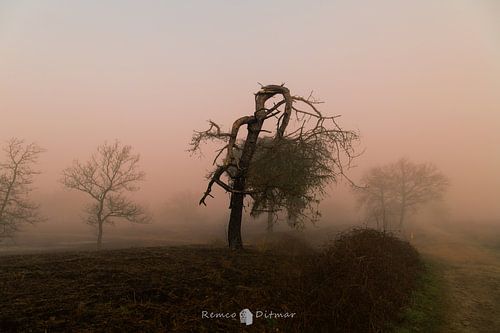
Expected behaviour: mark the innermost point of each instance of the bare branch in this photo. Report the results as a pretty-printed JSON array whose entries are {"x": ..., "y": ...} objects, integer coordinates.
[
  {"x": 216, "y": 176},
  {"x": 212, "y": 133}
]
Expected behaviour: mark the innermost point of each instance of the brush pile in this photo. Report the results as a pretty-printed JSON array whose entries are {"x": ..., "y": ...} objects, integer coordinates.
[{"x": 360, "y": 282}]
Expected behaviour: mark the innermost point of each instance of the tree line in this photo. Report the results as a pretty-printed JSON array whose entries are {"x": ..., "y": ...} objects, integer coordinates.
[
  {"x": 284, "y": 173},
  {"x": 106, "y": 177}
]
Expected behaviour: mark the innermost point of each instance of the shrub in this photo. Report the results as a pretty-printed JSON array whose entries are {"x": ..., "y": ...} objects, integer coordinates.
[{"x": 360, "y": 282}]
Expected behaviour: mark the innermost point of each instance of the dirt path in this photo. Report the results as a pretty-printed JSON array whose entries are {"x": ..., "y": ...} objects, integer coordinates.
[{"x": 472, "y": 278}]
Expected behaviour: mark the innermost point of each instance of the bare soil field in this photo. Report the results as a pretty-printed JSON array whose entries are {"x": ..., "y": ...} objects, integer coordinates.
[
  {"x": 148, "y": 289},
  {"x": 167, "y": 289}
]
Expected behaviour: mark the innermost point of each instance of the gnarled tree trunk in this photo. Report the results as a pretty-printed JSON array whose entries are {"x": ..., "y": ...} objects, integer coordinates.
[{"x": 253, "y": 126}]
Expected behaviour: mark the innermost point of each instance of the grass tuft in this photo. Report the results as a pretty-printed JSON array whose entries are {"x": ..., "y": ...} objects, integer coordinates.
[{"x": 426, "y": 309}]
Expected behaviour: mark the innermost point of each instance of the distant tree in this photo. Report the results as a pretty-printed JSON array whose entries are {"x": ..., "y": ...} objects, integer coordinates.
[
  {"x": 377, "y": 197},
  {"x": 395, "y": 191},
  {"x": 285, "y": 171},
  {"x": 16, "y": 180},
  {"x": 106, "y": 177}
]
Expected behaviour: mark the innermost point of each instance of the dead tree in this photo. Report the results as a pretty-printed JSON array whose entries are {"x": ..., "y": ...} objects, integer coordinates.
[
  {"x": 106, "y": 177},
  {"x": 310, "y": 128},
  {"x": 16, "y": 179}
]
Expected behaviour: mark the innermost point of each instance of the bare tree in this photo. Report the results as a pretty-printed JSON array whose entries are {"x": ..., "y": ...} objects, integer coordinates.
[
  {"x": 106, "y": 177},
  {"x": 311, "y": 134},
  {"x": 377, "y": 197},
  {"x": 415, "y": 185},
  {"x": 16, "y": 180},
  {"x": 395, "y": 191}
]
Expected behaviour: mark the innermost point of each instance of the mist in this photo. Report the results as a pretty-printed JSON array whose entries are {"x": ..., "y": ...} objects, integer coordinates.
[{"x": 419, "y": 80}]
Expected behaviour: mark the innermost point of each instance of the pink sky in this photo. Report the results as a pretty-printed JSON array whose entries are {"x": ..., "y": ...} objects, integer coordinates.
[{"x": 417, "y": 78}]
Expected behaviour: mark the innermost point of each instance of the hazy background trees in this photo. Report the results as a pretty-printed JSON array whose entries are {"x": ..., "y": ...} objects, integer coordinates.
[
  {"x": 105, "y": 178},
  {"x": 391, "y": 193},
  {"x": 403, "y": 80},
  {"x": 16, "y": 182}
]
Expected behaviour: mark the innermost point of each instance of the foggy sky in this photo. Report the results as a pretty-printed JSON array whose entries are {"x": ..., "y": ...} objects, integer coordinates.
[{"x": 419, "y": 79}]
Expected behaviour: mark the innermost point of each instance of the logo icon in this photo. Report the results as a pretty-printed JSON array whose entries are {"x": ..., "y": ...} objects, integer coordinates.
[{"x": 246, "y": 317}]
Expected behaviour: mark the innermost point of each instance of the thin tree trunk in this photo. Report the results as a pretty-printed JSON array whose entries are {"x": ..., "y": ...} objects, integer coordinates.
[
  {"x": 403, "y": 197},
  {"x": 402, "y": 210},
  {"x": 384, "y": 223},
  {"x": 382, "y": 207},
  {"x": 270, "y": 221},
  {"x": 402, "y": 214},
  {"x": 99, "y": 236},
  {"x": 100, "y": 221}
]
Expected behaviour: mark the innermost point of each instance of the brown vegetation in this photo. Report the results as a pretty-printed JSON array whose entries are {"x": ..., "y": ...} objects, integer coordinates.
[
  {"x": 361, "y": 282},
  {"x": 358, "y": 284}
]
